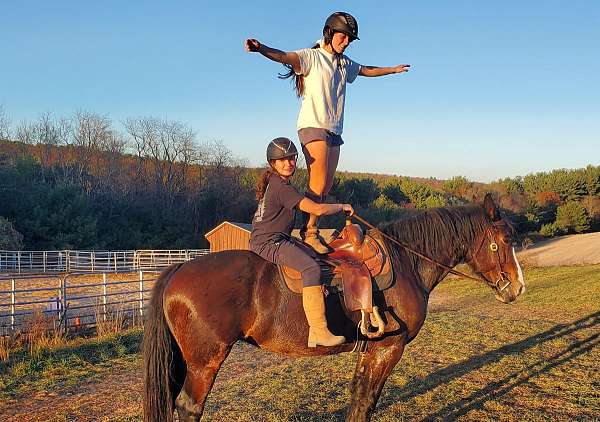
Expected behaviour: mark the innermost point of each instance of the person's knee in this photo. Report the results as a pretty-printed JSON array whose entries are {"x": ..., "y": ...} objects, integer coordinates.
[
  {"x": 317, "y": 184},
  {"x": 311, "y": 276},
  {"x": 314, "y": 196}
]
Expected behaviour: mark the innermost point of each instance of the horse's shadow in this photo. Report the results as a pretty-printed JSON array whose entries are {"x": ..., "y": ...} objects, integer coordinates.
[
  {"x": 504, "y": 385},
  {"x": 414, "y": 388}
]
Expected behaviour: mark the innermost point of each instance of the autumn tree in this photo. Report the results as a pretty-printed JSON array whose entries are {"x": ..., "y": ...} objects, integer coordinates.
[
  {"x": 164, "y": 150},
  {"x": 4, "y": 125}
]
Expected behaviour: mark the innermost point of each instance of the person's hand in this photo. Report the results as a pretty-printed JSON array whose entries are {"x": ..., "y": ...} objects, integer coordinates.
[
  {"x": 347, "y": 208},
  {"x": 252, "y": 45},
  {"x": 402, "y": 68}
]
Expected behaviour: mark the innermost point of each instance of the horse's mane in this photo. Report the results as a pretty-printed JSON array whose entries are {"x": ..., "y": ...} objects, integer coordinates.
[{"x": 450, "y": 229}]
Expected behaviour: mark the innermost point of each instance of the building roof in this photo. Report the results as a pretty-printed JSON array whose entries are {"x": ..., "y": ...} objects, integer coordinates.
[{"x": 244, "y": 226}]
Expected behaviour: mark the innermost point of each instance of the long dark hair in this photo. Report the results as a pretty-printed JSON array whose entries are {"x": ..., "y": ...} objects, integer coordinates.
[
  {"x": 298, "y": 80},
  {"x": 263, "y": 182}
]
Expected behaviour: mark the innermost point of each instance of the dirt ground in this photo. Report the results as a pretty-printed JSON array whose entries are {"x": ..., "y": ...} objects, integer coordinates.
[{"x": 577, "y": 249}]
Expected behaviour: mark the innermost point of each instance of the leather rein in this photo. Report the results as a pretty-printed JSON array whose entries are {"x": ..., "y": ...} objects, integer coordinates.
[{"x": 493, "y": 248}]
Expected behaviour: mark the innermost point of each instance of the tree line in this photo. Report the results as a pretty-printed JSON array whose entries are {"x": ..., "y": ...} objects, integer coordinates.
[{"x": 80, "y": 183}]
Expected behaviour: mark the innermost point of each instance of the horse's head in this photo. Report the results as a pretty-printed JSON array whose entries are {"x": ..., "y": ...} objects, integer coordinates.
[{"x": 494, "y": 257}]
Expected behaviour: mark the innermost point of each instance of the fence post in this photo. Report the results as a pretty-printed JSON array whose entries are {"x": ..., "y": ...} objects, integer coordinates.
[
  {"x": 141, "y": 293},
  {"x": 44, "y": 260},
  {"x": 115, "y": 259},
  {"x": 12, "y": 303},
  {"x": 104, "y": 296},
  {"x": 63, "y": 302},
  {"x": 19, "y": 261}
]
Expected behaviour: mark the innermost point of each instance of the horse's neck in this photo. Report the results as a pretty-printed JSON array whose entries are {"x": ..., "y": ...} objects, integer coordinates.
[
  {"x": 449, "y": 254},
  {"x": 432, "y": 274}
]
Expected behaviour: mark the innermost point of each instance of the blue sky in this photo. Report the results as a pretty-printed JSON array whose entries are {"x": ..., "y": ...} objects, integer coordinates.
[{"x": 496, "y": 88}]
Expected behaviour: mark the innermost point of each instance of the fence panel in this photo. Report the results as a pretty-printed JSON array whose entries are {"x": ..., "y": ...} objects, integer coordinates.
[
  {"x": 21, "y": 296},
  {"x": 74, "y": 300},
  {"x": 41, "y": 262},
  {"x": 89, "y": 298},
  {"x": 155, "y": 259},
  {"x": 33, "y": 261}
]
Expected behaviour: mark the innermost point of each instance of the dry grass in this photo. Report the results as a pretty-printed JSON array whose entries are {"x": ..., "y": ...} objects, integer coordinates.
[
  {"x": 5, "y": 348},
  {"x": 39, "y": 332},
  {"x": 42, "y": 332},
  {"x": 110, "y": 322}
]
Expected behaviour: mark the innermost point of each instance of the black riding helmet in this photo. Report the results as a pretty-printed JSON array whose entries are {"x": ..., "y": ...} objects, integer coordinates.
[
  {"x": 342, "y": 22},
  {"x": 281, "y": 148}
]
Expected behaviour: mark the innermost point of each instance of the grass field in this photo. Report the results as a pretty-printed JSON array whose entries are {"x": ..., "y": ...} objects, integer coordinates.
[{"x": 475, "y": 359}]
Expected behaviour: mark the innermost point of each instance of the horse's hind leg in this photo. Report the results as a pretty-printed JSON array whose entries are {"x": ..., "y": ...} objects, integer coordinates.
[
  {"x": 201, "y": 373},
  {"x": 372, "y": 369}
]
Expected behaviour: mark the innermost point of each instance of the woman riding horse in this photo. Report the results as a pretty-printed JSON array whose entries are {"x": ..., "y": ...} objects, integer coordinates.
[{"x": 271, "y": 234}]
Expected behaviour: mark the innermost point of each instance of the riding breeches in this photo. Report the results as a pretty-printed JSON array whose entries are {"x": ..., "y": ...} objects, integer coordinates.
[{"x": 293, "y": 255}]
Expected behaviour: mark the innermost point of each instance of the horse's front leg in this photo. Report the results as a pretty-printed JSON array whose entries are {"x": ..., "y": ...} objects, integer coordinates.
[{"x": 372, "y": 369}]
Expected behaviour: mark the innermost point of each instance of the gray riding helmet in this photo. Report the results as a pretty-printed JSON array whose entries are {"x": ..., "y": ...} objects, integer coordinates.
[
  {"x": 281, "y": 148},
  {"x": 342, "y": 22}
]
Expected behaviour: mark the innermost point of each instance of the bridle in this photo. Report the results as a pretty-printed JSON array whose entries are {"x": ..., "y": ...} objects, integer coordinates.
[
  {"x": 503, "y": 281},
  {"x": 492, "y": 245}
]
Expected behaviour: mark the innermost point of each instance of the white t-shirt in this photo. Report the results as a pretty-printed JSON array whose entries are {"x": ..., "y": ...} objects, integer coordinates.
[{"x": 324, "y": 88}]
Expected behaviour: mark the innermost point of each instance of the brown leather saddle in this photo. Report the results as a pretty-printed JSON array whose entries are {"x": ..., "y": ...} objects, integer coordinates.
[{"x": 358, "y": 264}]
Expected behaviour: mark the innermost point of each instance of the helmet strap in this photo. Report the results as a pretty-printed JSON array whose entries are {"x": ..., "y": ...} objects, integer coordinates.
[{"x": 328, "y": 34}]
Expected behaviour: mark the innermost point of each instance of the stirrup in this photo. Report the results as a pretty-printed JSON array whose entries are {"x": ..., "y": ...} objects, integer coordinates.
[{"x": 365, "y": 323}]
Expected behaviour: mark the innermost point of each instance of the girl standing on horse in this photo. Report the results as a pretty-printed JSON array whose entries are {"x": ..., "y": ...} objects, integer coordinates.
[
  {"x": 271, "y": 234},
  {"x": 320, "y": 74}
]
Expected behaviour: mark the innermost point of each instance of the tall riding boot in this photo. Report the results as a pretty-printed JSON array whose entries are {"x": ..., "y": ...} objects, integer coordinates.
[{"x": 314, "y": 307}]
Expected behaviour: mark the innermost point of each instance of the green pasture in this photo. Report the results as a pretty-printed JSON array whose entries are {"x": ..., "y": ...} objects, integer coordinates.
[{"x": 475, "y": 359}]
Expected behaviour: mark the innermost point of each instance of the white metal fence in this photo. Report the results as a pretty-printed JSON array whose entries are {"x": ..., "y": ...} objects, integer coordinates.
[
  {"x": 73, "y": 300},
  {"x": 92, "y": 261}
]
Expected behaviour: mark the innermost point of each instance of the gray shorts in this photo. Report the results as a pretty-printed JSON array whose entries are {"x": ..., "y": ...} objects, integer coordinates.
[{"x": 309, "y": 134}]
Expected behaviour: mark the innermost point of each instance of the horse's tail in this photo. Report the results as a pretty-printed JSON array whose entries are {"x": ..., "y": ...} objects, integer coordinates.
[{"x": 158, "y": 352}]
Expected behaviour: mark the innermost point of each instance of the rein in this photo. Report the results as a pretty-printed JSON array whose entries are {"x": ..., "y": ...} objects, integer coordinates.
[{"x": 420, "y": 255}]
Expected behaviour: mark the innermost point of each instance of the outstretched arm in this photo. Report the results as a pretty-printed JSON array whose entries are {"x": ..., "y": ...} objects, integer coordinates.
[
  {"x": 283, "y": 57},
  {"x": 373, "y": 71}
]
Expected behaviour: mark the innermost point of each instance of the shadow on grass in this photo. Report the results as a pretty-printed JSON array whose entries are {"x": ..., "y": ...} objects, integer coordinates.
[{"x": 498, "y": 388}]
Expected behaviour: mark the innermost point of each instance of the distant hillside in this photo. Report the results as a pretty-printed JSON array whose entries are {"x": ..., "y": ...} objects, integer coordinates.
[
  {"x": 156, "y": 187},
  {"x": 577, "y": 249}
]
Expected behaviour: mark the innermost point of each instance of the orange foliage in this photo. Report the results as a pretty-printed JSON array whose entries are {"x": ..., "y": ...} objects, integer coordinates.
[{"x": 547, "y": 198}]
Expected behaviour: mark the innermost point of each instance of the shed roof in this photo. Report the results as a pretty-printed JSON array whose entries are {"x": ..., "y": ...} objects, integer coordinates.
[{"x": 244, "y": 226}]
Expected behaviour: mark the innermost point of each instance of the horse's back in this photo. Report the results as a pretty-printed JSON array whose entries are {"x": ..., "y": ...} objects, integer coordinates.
[{"x": 214, "y": 294}]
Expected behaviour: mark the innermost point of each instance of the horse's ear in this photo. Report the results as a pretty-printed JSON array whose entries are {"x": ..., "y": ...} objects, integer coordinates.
[{"x": 491, "y": 209}]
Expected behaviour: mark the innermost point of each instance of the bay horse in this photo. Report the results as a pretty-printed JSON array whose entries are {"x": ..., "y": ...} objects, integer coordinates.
[{"x": 199, "y": 309}]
